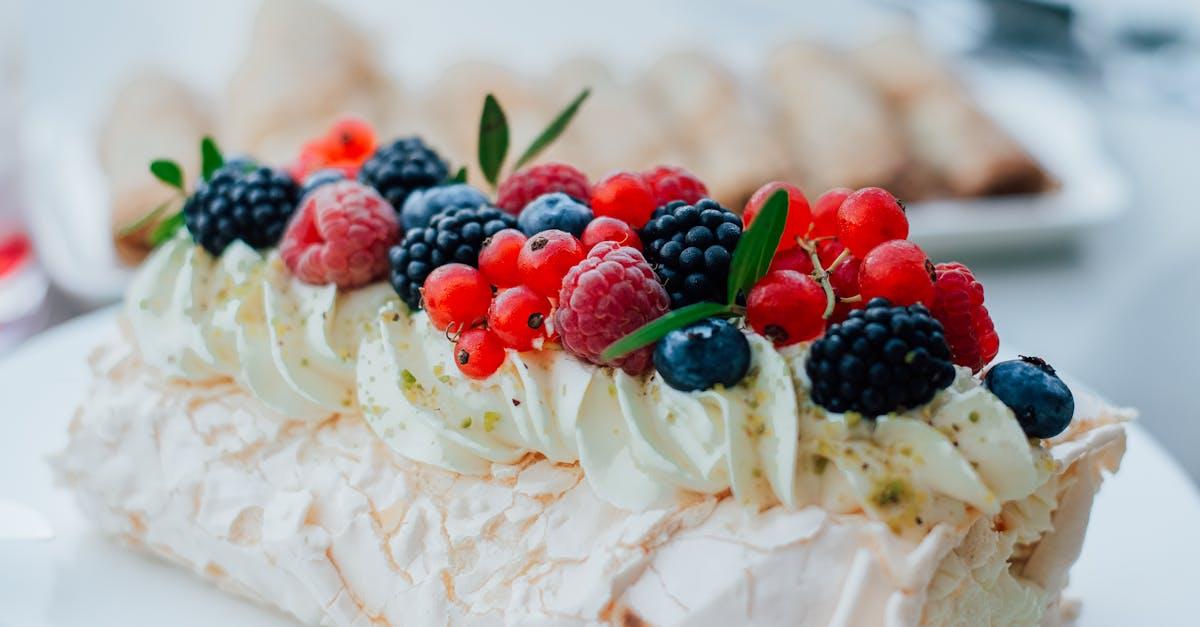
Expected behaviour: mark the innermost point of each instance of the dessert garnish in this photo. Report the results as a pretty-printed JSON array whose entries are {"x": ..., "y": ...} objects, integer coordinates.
[{"x": 1032, "y": 389}]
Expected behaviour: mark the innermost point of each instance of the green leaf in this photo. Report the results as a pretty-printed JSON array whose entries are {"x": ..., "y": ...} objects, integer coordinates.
[
  {"x": 459, "y": 176},
  {"x": 493, "y": 139},
  {"x": 552, "y": 131},
  {"x": 151, "y": 216},
  {"x": 168, "y": 172},
  {"x": 756, "y": 248},
  {"x": 654, "y": 330},
  {"x": 167, "y": 229},
  {"x": 210, "y": 157}
]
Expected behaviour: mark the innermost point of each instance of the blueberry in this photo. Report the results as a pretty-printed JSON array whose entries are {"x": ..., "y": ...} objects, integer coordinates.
[
  {"x": 421, "y": 205},
  {"x": 554, "y": 211},
  {"x": 1030, "y": 387},
  {"x": 702, "y": 355}
]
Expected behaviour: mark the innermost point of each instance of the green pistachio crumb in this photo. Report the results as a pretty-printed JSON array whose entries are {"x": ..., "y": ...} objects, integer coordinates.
[
  {"x": 973, "y": 416},
  {"x": 890, "y": 492},
  {"x": 490, "y": 418},
  {"x": 466, "y": 423}
]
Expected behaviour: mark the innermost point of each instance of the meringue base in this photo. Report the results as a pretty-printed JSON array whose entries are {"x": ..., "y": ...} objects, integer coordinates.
[{"x": 324, "y": 522}]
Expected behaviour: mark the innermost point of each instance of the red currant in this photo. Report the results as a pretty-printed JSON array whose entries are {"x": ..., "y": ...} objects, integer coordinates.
[
  {"x": 828, "y": 251},
  {"x": 518, "y": 317},
  {"x": 456, "y": 294},
  {"x": 844, "y": 280},
  {"x": 796, "y": 259},
  {"x": 498, "y": 258},
  {"x": 478, "y": 353},
  {"x": 799, "y": 217},
  {"x": 870, "y": 217},
  {"x": 898, "y": 271},
  {"x": 546, "y": 258},
  {"x": 825, "y": 210},
  {"x": 625, "y": 196},
  {"x": 787, "y": 307},
  {"x": 606, "y": 229}
]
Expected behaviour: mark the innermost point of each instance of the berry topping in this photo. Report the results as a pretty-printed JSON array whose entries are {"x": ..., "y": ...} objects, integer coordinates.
[
  {"x": 240, "y": 201},
  {"x": 478, "y": 353},
  {"x": 319, "y": 179},
  {"x": 702, "y": 355},
  {"x": 958, "y": 305},
  {"x": 422, "y": 205},
  {"x": 456, "y": 294},
  {"x": 402, "y": 167},
  {"x": 518, "y": 317},
  {"x": 554, "y": 211},
  {"x": 546, "y": 258},
  {"x": 898, "y": 271},
  {"x": 672, "y": 183},
  {"x": 825, "y": 212},
  {"x": 522, "y": 187},
  {"x": 606, "y": 296},
  {"x": 340, "y": 235},
  {"x": 844, "y": 281},
  {"x": 786, "y": 307},
  {"x": 799, "y": 217},
  {"x": 691, "y": 247},
  {"x": 625, "y": 196},
  {"x": 606, "y": 229},
  {"x": 1029, "y": 387},
  {"x": 498, "y": 258},
  {"x": 347, "y": 144},
  {"x": 794, "y": 258},
  {"x": 870, "y": 217},
  {"x": 881, "y": 359}
]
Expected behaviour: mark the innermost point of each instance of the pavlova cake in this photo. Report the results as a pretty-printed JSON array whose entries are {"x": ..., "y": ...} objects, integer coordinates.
[{"x": 361, "y": 391}]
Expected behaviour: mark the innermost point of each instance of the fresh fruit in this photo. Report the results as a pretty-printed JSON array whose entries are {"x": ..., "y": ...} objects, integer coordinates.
[
  {"x": 402, "y": 167},
  {"x": 691, "y": 247},
  {"x": 340, "y": 235},
  {"x": 555, "y": 211},
  {"x": 825, "y": 212},
  {"x": 703, "y": 355},
  {"x": 498, "y": 258},
  {"x": 828, "y": 250},
  {"x": 870, "y": 217},
  {"x": 605, "y": 297},
  {"x": 606, "y": 229},
  {"x": 794, "y": 258},
  {"x": 844, "y": 281},
  {"x": 423, "y": 204},
  {"x": 455, "y": 235},
  {"x": 522, "y": 187},
  {"x": 625, "y": 196},
  {"x": 958, "y": 305},
  {"x": 319, "y": 179},
  {"x": 881, "y": 359},
  {"x": 518, "y": 317},
  {"x": 786, "y": 307},
  {"x": 478, "y": 353},
  {"x": 898, "y": 271},
  {"x": 546, "y": 258},
  {"x": 799, "y": 216},
  {"x": 240, "y": 201},
  {"x": 673, "y": 183},
  {"x": 456, "y": 294},
  {"x": 347, "y": 144},
  {"x": 1032, "y": 389}
]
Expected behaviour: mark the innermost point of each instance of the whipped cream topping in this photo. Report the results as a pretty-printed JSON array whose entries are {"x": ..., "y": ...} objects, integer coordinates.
[{"x": 311, "y": 351}]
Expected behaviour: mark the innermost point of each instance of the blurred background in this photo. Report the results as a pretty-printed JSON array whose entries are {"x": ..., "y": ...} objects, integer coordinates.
[{"x": 1050, "y": 144}]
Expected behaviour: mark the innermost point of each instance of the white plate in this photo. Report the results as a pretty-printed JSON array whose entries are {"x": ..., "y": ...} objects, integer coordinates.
[{"x": 1136, "y": 567}]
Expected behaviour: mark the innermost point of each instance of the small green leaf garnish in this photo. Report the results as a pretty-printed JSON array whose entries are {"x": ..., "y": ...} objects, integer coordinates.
[
  {"x": 551, "y": 132},
  {"x": 168, "y": 172},
  {"x": 167, "y": 229},
  {"x": 493, "y": 139},
  {"x": 756, "y": 249},
  {"x": 459, "y": 176},
  {"x": 210, "y": 157},
  {"x": 142, "y": 222},
  {"x": 654, "y": 330}
]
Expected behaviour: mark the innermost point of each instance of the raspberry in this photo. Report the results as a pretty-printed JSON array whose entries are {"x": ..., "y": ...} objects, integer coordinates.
[
  {"x": 241, "y": 200},
  {"x": 478, "y": 353},
  {"x": 825, "y": 211},
  {"x": 518, "y": 317},
  {"x": 456, "y": 294},
  {"x": 546, "y": 258},
  {"x": 498, "y": 258},
  {"x": 691, "y": 248},
  {"x": 870, "y": 217},
  {"x": 672, "y": 183},
  {"x": 794, "y": 258},
  {"x": 898, "y": 271},
  {"x": 554, "y": 211},
  {"x": 606, "y": 229},
  {"x": 787, "y": 307},
  {"x": 340, "y": 235},
  {"x": 521, "y": 188},
  {"x": 604, "y": 298},
  {"x": 799, "y": 216},
  {"x": 625, "y": 196},
  {"x": 958, "y": 305},
  {"x": 402, "y": 167}
]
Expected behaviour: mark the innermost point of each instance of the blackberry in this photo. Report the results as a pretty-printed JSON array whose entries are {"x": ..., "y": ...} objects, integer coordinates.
[
  {"x": 881, "y": 359},
  {"x": 402, "y": 167},
  {"x": 241, "y": 200},
  {"x": 456, "y": 235},
  {"x": 690, "y": 247}
]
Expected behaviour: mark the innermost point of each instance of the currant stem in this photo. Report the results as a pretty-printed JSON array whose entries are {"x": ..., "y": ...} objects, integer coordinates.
[{"x": 822, "y": 276}]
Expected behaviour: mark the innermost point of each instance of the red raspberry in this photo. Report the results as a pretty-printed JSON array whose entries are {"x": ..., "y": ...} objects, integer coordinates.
[
  {"x": 825, "y": 211},
  {"x": 625, "y": 196},
  {"x": 870, "y": 217},
  {"x": 799, "y": 217},
  {"x": 787, "y": 307},
  {"x": 498, "y": 258},
  {"x": 456, "y": 294},
  {"x": 478, "y": 353},
  {"x": 795, "y": 258},
  {"x": 606, "y": 229},
  {"x": 518, "y": 317},
  {"x": 898, "y": 271},
  {"x": 844, "y": 280},
  {"x": 522, "y": 187},
  {"x": 347, "y": 144},
  {"x": 341, "y": 235},
  {"x": 604, "y": 298},
  {"x": 672, "y": 183},
  {"x": 958, "y": 305},
  {"x": 546, "y": 258}
]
